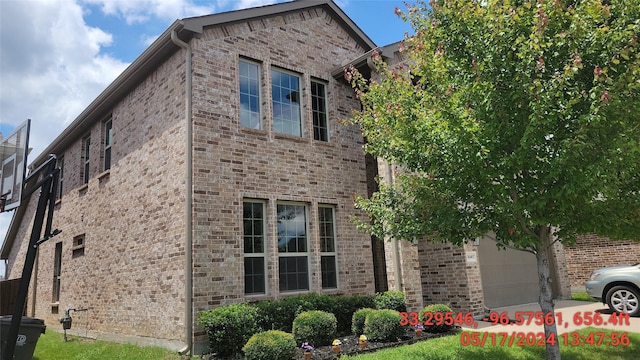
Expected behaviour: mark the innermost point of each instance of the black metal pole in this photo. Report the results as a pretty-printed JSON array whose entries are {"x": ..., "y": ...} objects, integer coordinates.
[{"x": 27, "y": 270}]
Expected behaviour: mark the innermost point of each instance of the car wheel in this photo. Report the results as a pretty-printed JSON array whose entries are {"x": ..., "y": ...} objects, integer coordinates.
[{"x": 624, "y": 299}]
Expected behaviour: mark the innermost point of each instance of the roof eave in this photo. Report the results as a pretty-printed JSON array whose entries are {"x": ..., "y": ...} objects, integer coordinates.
[
  {"x": 364, "y": 60},
  {"x": 197, "y": 24},
  {"x": 129, "y": 78}
]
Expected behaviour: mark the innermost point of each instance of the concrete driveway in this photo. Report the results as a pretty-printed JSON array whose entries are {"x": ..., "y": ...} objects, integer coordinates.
[{"x": 566, "y": 311}]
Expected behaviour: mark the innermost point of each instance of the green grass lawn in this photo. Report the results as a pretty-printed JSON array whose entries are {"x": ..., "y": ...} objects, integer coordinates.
[
  {"x": 449, "y": 348},
  {"x": 582, "y": 296},
  {"x": 51, "y": 346}
]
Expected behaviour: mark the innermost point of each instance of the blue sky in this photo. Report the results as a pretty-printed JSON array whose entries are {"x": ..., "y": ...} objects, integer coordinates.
[{"x": 56, "y": 56}]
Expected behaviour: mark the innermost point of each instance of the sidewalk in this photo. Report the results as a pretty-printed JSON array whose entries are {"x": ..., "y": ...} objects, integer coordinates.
[{"x": 567, "y": 310}]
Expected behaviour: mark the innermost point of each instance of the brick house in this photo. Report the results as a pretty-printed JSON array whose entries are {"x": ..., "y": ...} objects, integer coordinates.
[
  {"x": 214, "y": 170},
  {"x": 238, "y": 172}
]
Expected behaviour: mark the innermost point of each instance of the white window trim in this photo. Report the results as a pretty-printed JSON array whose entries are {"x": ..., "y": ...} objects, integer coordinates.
[
  {"x": 326, "y": 107},
  {"x": 307, "y": 254},
  {"x": 300, "y": 101},
  {"x": 264, "y": 253},
  {"x": 335, "y": 245},
  {"x": 260, "y": 83},
  {"x": 86, "y": 157},
  {"x": 107, "y": 147}
]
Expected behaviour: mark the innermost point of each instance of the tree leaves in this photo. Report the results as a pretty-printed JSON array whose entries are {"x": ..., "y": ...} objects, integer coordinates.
[{"x": 507, "y": 116}]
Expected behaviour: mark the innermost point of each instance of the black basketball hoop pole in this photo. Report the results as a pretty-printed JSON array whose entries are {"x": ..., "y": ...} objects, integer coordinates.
[{"x": 49, "y": 182}]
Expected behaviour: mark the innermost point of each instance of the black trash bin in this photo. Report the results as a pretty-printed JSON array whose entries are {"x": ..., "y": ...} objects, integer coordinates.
[{"x": 28, "y": 335}]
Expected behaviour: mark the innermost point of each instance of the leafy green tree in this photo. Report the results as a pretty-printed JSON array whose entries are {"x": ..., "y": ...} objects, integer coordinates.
[{"x": 516, "y": 118}]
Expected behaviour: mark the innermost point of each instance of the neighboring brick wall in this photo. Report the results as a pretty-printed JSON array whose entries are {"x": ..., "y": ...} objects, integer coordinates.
[
  {"x": 447, "y": 278},
  {"x": 591, "y": 252},
  {"x": 562, "y": 290}
]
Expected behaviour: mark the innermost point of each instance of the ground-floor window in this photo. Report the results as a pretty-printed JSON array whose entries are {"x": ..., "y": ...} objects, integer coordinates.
[
  {"x": 293, "y": 273},
  {"x": 254, "y": 254},
  {"x": 328, "y": 267},
  {"x": 288, "y": 236}
]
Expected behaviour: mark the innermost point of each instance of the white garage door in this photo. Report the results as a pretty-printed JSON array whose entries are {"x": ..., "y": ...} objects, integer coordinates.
[{"x": 509, "y": 277}]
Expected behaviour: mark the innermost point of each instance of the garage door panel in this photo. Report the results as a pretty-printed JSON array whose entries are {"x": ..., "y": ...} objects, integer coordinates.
[{"x": 509, "y": 277}]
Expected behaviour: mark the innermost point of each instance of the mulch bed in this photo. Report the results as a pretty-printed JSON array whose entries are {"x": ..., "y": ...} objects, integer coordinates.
[{"x": 350, "y": 345}]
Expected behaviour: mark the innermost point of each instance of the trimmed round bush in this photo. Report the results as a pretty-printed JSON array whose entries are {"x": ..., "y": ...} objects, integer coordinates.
[
  {"x": 433, "y": 309},
  {"x": 228, "y": 327},
  {"x": 316, "y": 327},
  {"x": 393, "y": 300},
  {"x": 358, "y": 319},
  {"x": 270, "y": 345},
  {"x": 383, "y": 325}
]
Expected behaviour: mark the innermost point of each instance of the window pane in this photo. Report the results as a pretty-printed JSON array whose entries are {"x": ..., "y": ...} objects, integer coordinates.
[
  {"x": 249, "y": 95},
  {"x": 327, "y": 237},
  {"x": 293, "y": 273},
  {"x": 253, "y": 227},
  {"x": 285, "y": 102},
  {"x": 329, "y": 273},
  {"x": 107, "y": 159},
  {"x": 57, "y": 271},
  {"x": 318, "y": 107},
  {"x": 254, "y": 277},
  {"x": 292, "y": 231},
  {"x": 108, "y": 133}
]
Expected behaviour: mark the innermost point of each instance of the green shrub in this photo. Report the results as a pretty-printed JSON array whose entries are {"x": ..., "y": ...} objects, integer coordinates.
[
  {"x": 279, "y": 314},
  {"x": 346, "y": 306},
  {"x": 270, "y": 345},
  {"x": 228, "y": 327},
  {"x": 316, "y": 327},
  {"x": 358, "y": 319},
  {"x": 433, "y": 309},
  {"x": 393, "y": 300},
  {"x": 383, "y": 325}
]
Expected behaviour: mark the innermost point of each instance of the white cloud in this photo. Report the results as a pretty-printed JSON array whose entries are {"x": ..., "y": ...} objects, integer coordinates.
[
  {"x": 51, "y": 68},
  {"x": 138, "y": 11}
]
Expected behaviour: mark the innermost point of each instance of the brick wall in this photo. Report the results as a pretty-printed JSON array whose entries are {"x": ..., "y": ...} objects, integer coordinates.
[
  {"x": 592, "y": 252},
  {"x": 130, "y": 273},
  {"x": 232, "y": 163},
  {"x": 448, "y": 278}
]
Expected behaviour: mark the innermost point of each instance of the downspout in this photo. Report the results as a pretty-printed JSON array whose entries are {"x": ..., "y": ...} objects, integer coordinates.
[{"x": 188, "y": 262}]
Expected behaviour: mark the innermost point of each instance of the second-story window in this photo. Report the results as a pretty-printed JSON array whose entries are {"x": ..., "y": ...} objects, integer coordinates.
[
  {"x": 319, "y": 110},
  {"x": 285, "y": 101},
  {"x": 249, "y": 94},
  {"x": 86, "y": 146},
  {"x": 108, "y": 140},
  {"x": 60, "y": 176}
]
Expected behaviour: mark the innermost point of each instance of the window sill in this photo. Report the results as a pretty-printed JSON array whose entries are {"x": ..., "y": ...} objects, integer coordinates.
[
  {"x": 323, "y": 143},
  {"x": 83, "y": 189},
  {"x": 77, "y": 251},
  {"x": 299, "y": 139},
  {"x": 294, "y": 292},
  {"x": 257, "y": 297},
  {"x": 104, "y": 174},
  {"x": 254, "y": 131}
]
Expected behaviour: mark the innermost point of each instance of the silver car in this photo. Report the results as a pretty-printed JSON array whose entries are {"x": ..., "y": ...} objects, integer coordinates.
[{"x": 618, "y": 287}]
